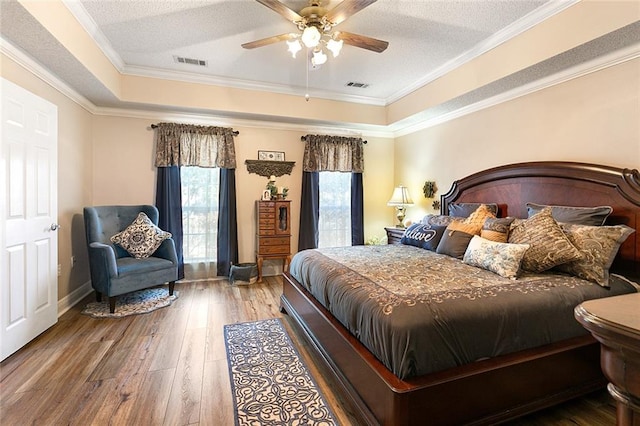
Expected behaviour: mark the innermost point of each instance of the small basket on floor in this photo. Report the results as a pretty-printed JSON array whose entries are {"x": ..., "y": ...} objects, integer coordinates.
[{"x": 243, "y": 273}]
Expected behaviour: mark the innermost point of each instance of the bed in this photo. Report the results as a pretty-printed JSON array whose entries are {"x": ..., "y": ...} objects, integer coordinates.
[{"x": 497, "y": 388}]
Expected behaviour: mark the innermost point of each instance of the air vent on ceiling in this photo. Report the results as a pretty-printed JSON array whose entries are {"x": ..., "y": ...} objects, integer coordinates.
[
  {"x": 190, "y": 61},
  {"x": 358, "y": 85}
]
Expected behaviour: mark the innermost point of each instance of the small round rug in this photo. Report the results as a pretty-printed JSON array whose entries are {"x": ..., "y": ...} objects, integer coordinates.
[{"x": 137, "y": 302}]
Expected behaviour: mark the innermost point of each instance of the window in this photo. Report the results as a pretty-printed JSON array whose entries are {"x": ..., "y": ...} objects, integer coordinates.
[
  {"x": 200, "y": 188},
  {"x": 334, "y": 224}
]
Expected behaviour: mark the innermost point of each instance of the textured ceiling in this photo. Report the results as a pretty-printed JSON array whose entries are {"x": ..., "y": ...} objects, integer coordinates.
[
  {"x": 143, "y": 37},
  {"x": 422, "y": 35},
  {"x": 426, "y": 39}
]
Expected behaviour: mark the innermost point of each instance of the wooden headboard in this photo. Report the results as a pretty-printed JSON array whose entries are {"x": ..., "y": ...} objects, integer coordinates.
[{"x": 560, "y": 183}]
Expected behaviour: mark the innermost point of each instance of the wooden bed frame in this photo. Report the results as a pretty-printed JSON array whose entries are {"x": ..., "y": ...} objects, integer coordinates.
[{"x": 501, "y": 388}]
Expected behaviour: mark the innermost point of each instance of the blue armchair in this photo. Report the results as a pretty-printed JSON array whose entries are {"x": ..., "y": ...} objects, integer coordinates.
[{"x": 113, "y": 270}]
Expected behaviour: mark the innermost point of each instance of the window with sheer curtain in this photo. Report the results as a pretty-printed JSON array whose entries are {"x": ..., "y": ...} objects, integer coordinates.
[
  {"x": 334, "y": 222},
  {"x": 331, "y": 205},
  {"x": 200, "y": 191},
  {"x": 197, "y": 164}
]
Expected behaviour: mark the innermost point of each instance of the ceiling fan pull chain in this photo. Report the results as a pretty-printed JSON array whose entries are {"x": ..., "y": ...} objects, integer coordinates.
[{"x": 306, "y": 67}]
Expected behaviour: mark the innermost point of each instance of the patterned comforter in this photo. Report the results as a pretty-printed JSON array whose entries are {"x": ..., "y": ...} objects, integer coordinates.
[{"x": 419, "y": 312}]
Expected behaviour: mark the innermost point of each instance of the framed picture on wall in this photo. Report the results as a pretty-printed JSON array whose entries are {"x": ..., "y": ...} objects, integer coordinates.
[{"x": 271, "y": 155}]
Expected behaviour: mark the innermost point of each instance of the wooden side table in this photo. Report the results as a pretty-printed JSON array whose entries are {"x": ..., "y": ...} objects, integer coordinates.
[
  {"x": 615, "y": 323},
  {"x": 394, "y": 235}
]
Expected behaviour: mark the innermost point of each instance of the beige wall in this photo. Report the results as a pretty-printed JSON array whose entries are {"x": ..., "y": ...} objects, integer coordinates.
[
  {"x": 124, "y": 174},
  {"x": 74, "y": 174},
  {"x": 108, "y": 159},
  {"x": 594, "y": 119}
]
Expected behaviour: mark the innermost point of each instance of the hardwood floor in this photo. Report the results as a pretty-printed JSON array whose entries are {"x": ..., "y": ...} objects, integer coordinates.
[{"x": 169, "y": 367}]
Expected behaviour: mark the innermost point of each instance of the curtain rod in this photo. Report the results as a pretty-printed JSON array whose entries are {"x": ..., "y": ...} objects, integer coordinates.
[
  {"x": 304, "y": 138},
  {"x": 235, "y": 132}
]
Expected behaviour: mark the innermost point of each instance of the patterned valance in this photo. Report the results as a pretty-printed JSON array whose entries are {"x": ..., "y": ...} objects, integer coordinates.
[
  {"x": 324, "y": 153},
  {"x": 190, "y": 145}
]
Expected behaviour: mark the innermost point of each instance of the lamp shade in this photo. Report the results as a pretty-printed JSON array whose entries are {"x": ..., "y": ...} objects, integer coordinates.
[
  {"x": 294, "y": 47},
  {"x": 400, "y": 197},
  {"x": 335, "y": 46}
]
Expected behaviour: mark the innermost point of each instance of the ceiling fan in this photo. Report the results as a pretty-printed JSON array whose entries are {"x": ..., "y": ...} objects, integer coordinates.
[{"x": 315, "y": 24}]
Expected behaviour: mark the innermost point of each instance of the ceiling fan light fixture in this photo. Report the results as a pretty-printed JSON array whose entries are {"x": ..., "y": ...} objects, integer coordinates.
[
  {"x": 319, "y": 57},
  {"x": 335, "y": 46},
  {"x": 311, "y": 36},
  {"x": 294, "y": 47}
]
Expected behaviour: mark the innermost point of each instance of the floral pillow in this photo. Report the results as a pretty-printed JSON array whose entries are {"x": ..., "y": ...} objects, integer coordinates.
[
  {"x": 549, "y": 246},
  {"x": 599, "y": 246},
  {"x": 500, "y": 258},
  {"x": 142, "y": 238}
]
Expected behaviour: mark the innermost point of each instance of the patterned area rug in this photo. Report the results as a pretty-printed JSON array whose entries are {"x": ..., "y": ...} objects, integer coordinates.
[
  {"x": 269, "y": 381},
  {"x": 138, "y": 302}
]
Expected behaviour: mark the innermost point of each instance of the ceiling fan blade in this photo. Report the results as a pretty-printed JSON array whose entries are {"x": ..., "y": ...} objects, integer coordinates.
[
  {"x": 283, "y": 10},
  {"x": 269, "y": 40},
  {"x": 362, "y": 42},
  {"x": 346, "y": 9}
]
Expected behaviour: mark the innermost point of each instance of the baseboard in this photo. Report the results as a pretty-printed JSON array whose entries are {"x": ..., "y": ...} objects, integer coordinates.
[{"x": 73, "y": 298}]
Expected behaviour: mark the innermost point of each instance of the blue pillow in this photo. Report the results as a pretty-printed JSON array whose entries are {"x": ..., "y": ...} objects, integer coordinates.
[{"x": 423, "y": 236}]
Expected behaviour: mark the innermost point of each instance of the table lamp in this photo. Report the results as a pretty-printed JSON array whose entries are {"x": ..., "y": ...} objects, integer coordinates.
[{"x": 400, "y": 199}]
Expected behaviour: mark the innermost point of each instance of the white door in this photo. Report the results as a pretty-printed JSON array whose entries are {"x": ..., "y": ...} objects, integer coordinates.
[{"x": 28, "y": 215}]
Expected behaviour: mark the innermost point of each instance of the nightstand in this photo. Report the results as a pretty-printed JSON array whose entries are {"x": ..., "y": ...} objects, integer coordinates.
[
  {"x": 615, "y": 323},
  {"x": 394, "y": 235}
]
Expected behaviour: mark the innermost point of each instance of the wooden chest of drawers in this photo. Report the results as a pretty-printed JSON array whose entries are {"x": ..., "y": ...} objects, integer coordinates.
[{"x": 273, "y": 233}]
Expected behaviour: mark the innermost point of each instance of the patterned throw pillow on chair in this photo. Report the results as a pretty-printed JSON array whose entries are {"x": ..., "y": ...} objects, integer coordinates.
[{"x": 142, "y": 238}]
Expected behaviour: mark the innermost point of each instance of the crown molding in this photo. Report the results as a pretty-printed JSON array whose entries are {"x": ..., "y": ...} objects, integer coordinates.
[
  {"x": 209, "y": 119},
  {"x": 420, "y": 122},
  {"x": 409, "y": 125},
  {"x": 86, "y": 21},
  {"x": 518, "y": 27},
  {"x": 26, "y": 62}
]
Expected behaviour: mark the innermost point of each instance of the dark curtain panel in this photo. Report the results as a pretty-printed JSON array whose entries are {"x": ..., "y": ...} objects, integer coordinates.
[
  {"x": 309, "y": 211},
  {"x": 357, "y": 210},
  {"x": 227, "y": 222},
  {"x": 169, "y": 204}
]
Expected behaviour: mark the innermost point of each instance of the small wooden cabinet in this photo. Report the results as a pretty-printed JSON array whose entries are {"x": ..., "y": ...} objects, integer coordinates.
[
  {"x": 273, "y": 235},
  {"x": 615, "y": 323},
  {"x": 394, "y": 235}
]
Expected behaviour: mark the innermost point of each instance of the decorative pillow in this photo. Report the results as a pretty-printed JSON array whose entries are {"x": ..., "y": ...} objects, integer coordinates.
[
  {"x": 594, "y": 216},
  {"x": 440, "y": 220},
  {"x": 500, "y": 258},
  {"x": 599, "y": 246},
  {"x": 142, "y": 238},
  {"x": 454, "y": 243},
  {"x": 465, "y": 209},
  {"x": 496, "y": 229},
  {"x": 423, "y": 236},
  {"x": 473, "y": 224},
  {"x": 549, "y": 245}
]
